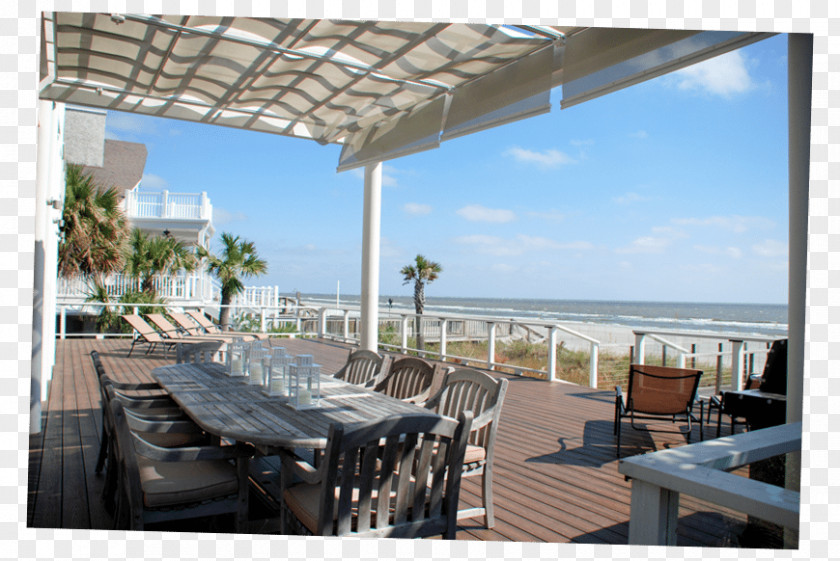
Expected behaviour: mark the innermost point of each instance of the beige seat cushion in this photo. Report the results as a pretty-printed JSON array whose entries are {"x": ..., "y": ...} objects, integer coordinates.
[{"x": 170, "y": 483}]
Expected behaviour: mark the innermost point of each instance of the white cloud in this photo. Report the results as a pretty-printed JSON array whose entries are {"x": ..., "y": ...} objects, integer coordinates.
[
  {"x": 521, "y": 243},
  {"x": 725, "y": 75},
  {"x": 479, "y": 213},
  {"x": 733, "y": 252},
  {"x": 646, "y": 244},
  {"x": 771, "y": 248},
  {"x": 152, "y": 181},
  {"x": 733, "y": 223},
  {"x": 550, "y": 158},
  {"x": 582, "y": 142},
  {"x": 550, "y": 215},
  {"x": 417, "y": 209},
  {"x": 640, "y": 134},
  {"x": 221, "y": 216},
  {"x": 628, "y": 198}
]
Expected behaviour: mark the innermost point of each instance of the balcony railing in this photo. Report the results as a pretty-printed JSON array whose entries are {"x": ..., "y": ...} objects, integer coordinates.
[{"x": 183, "y": 206}]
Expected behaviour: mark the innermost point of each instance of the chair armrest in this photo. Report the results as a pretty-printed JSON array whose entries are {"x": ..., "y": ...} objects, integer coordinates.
[
  {"x": 145, "y": 402},
  {"x": 300, "y": 467},
  {"x": 191, "y": 453},
  {"x": 162, "y": 426},
  {"x": 140, "y": 386}
]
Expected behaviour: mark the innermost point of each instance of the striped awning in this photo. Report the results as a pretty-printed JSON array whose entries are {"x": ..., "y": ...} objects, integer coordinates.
[{"x": 381, "y": 89}]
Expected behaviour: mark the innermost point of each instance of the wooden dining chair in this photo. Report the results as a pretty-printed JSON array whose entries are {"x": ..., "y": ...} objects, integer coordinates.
[
  {"x": 409, "y": 379},
  {"x": 658, "y": 393},
  {"x": 158, "y": 484},
  {"x": 396, "y": 477},
  {"x": 466, "y": 389},
  {"x": 197, "y": 352},
  {"x": 363, "y": 368}
]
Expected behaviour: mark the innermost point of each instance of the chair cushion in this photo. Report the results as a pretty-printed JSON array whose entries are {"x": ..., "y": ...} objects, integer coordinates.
[{"x": 171, "y": 483}]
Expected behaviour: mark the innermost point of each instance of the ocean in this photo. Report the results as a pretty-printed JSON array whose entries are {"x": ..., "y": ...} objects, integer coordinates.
[{"x": 741, "y": 319}]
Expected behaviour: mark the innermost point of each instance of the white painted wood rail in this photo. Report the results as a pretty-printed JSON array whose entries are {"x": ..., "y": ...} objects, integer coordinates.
[{"x": 699, "y": 470}]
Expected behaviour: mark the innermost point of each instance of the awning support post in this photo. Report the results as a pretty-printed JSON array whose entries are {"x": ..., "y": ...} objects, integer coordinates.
[{"x": 370, "y": 257}]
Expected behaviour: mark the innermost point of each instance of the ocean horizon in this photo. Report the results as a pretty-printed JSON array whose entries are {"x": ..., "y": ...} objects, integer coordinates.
[{"x": 743, "y": 319}]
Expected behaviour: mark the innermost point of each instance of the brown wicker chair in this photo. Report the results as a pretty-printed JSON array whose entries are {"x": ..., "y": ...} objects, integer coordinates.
[
  {"x": 466, "y": 389},
  {"x": 405, "y": 478},
  {"x": 658, "y": 393}
]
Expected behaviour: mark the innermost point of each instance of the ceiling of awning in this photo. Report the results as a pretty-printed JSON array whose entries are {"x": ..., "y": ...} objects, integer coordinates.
[{"x": 382, "y": 89}]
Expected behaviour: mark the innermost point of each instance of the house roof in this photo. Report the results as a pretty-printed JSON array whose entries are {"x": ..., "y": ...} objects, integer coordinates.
[
  {"x": 122, "y": 167},
  {"x": 381, "y": 89}
]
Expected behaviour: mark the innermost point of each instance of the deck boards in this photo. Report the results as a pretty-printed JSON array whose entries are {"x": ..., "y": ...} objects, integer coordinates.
[{"x": 555, "y": 476}]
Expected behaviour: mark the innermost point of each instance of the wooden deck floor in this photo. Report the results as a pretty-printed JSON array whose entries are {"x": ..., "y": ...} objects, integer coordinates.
[{"x": 556, "y": 476}]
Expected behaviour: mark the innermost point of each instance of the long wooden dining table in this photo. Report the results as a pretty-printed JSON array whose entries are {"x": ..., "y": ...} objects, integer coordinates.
[{"x": 231, "y": 408}]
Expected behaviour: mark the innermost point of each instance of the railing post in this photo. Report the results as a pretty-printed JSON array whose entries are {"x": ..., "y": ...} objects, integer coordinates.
[
  {"x": 737, "y": 364},
  {"x": 640, "y": 348},
  {"x": 718, "y": 368},
  {"x": 404, "y": 333},
  {"x": 62, "y": 323},
  {"x": 262, "y": 320},
  {"x": 322, "y": 322},
  {"x": 653, "y": 514},
  {"x": 491, "y": 345},
  {"x": 593, "y": 365},
  {"x": 552, "y": 354},
  {"x": 443, "y": 324},
  {"x": 346, "y": 324},
  {"x": 164, "y": 204}
]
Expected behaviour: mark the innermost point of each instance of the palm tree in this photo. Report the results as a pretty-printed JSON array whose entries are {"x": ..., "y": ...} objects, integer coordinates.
[
  {"x": 238, "y": 259},
  {"x": 156, "y": 255},
  {"x": 93, "y": 228},
  {"x": 421, "y": 272}
]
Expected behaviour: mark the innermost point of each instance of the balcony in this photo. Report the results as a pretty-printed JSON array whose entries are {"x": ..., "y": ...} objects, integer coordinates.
[{"x": 166, "y": 205}]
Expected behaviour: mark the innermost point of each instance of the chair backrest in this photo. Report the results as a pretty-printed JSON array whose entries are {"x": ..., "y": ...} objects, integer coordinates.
[
  {"x": 185, "y": 323},
  {"x": 145, "y": 330},
  {"x": 661, "y": 390},
  {"x": 197, "y": 352},
  {"x": 361, "y": 367},
  {"x": 466, "y": 389},
  {"x": 164, "y": 325},
  {"x": 383, "y": 454},
  {"x": 203, "y": 321},
  {"x": 774, "y": 377},
  {"x": 408, "y": 379},
  {"x": 97, "y": 364}
]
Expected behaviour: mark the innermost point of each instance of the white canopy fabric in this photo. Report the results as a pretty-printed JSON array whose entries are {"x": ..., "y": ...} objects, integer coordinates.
[{"x": 381, "y": 89}]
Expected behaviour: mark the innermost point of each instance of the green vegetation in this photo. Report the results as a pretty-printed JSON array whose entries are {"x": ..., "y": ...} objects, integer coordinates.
[
  {"x": 422, "y": 272},
  {"x": 237, "y": 260},
  {"x": 93, "y": 229}
]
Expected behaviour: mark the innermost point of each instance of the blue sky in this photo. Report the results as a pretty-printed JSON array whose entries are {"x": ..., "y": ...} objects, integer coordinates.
[{"x": 670, "y": 190}]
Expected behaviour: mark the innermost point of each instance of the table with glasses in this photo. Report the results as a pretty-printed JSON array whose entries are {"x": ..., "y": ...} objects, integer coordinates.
[{"x": 230, "y": 407}]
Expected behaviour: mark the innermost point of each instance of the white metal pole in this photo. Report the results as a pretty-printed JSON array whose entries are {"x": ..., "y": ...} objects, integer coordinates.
[{"x": 370, "y": 257}]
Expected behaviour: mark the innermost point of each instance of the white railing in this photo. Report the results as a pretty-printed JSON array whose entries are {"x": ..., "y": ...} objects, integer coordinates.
[
  {"x": 192, "y": 287},
  {"x": 193, "y": 206},
  {"x": 699, "y": 470}
]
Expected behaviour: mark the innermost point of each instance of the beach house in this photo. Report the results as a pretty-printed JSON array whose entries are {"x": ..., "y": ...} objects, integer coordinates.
[{"x": 381, "y": 91}]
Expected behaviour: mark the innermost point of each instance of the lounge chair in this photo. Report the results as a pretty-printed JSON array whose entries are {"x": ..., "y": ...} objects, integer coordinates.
[
  {"x": 212, "y": 328},
  {"x": 409, "y": 379},
  {"x": 466, "y": 389},
  {"x": 172, "y": 333},
  {"x": 407, "y": 482},
  {"x": 145, "y": 333},
  {"x": 658, "y": 393}
]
